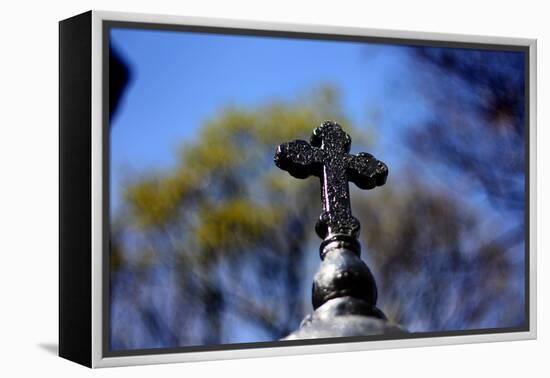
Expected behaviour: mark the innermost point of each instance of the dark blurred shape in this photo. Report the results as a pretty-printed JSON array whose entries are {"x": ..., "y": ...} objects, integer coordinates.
[
  {"x": 119, "y": 77},
  {"x": 478, "y": 118},
  {"x": 496, "y": 75}
]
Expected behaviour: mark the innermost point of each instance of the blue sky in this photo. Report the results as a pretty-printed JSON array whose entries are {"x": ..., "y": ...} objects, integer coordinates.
[{"x": 180, "y": 79}]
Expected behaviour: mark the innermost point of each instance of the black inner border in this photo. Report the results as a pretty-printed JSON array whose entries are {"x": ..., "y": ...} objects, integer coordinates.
[{"x": 107, "y": 25}]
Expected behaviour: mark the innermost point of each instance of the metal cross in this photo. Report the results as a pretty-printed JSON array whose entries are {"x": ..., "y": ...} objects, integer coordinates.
[{"x": 327, "y": 157}]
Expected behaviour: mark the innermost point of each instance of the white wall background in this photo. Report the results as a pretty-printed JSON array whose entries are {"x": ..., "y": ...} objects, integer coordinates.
[{"x": 28, "y": 189}]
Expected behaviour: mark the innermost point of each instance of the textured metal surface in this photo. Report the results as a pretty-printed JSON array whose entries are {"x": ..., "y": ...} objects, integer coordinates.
[
  {"x": 345, "y": 317},
  {"x": 327, "y": 157},
  {"x": 343, "y": 274},
  {"x": 345, "y": 326},
  {"x": 344, "y": 299}
]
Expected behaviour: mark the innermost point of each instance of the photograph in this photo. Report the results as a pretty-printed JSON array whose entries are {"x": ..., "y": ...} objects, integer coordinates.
[{"x": 270, "y": 188}]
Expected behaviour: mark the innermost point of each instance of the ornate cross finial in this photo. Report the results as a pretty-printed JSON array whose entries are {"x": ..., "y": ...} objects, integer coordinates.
[{"x": 327, "y": 157}]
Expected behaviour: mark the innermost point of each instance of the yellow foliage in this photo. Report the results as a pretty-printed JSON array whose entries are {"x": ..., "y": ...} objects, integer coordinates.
[
  {"x": 239, "y": 222},
  {"x": 154, "y": 199}
]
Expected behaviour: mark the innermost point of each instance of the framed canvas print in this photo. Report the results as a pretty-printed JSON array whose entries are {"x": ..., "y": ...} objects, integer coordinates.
[{"x": 234, "y": 189}]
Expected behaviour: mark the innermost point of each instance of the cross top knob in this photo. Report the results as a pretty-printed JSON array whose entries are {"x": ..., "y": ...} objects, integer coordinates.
[{"x": 327, "y": 156}]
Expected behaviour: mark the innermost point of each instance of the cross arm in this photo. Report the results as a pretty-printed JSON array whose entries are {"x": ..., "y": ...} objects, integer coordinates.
[
  {"x": 366, "y": 171},
  {"x": 299, "y": 158}
]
